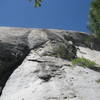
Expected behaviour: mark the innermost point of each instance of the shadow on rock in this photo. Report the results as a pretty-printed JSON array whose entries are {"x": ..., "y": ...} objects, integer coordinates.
[{"x": 11, "y": 56}]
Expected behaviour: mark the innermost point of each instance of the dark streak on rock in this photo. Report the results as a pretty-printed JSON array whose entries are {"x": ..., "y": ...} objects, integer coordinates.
[{"x": 11, "y": 56}]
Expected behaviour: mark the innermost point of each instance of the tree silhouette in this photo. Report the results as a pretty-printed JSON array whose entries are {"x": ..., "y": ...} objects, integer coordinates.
[{"x": 94, "y": 17}]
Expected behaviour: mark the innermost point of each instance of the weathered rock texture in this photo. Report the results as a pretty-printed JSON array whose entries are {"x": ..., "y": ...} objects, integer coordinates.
[{"x": 42, "y": 75}]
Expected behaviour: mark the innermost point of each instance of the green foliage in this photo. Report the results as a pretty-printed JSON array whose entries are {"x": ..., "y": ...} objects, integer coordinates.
[
  {"x": 65, "y": 51},
  {"x": 83, "y": 62},
  {"x": 60, "y": 51},
  {"x": 94, "y": 17},
  {"x": 37, "y": 3}
]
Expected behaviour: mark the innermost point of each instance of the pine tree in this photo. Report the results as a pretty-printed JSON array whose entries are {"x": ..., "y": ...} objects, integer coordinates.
[{"x": 94, "y": 17}]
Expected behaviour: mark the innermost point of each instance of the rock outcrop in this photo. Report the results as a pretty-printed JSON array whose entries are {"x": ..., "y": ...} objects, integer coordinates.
[{"x": 46, "y": 72}]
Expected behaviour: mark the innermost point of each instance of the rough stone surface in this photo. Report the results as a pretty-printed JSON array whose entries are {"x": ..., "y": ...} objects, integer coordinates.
[
  {"x": 13, "y": 50},
  {"x": 50, "y": 78},
  {"x": 42, "y": 76}
]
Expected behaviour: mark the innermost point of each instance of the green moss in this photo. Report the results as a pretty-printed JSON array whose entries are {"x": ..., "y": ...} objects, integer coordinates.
[{"x": 83, "y": 62}]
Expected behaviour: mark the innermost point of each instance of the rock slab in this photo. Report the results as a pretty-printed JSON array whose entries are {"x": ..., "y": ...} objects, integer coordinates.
[{"x": 43, "y": 76}]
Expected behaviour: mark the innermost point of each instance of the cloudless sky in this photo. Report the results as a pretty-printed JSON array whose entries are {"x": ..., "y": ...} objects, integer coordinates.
[{"x": 56, "y": 14}]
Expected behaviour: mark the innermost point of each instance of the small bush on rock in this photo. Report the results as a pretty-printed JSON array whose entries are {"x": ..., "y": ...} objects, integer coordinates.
[
  {"x": 83, "y": 62},
  {"x": 65, "y": 51}
]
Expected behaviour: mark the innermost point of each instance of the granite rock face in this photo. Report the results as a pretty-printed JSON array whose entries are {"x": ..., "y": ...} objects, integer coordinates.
[
  {"x": 13, "y": 50},
  {"x": 33, "y": 71},
  {"x": 15, "y": 45}
]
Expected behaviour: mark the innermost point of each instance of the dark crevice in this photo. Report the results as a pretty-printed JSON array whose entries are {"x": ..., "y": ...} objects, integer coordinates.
[
  {"x": 39, "y": 61},
  {"x": 97, "y": 69},
  {"x": 11, "y": 56}
]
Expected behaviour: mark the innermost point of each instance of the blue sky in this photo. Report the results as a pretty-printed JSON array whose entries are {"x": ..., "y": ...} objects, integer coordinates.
[{"x": 56, "y": 14}]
